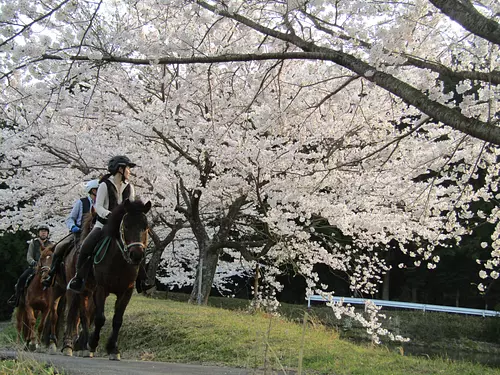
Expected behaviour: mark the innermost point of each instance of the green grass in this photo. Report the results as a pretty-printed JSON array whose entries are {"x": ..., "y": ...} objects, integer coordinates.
[
  {"x": 26, "y": 368},
  {"x": 167, "y": 330}
]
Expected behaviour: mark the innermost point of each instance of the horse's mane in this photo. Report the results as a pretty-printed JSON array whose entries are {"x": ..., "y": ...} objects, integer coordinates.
[
  {"x": 87, "y": 222},
  {"x": 112, "y": 228}
]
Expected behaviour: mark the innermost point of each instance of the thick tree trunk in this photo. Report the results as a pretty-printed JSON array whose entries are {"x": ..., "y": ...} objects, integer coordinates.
[{"x": 208, "y": 267}]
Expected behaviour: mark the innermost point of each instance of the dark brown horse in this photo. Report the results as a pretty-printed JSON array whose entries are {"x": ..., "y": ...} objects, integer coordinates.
[
  {"x": 116, "y": 266},
  {"x": 34, "y": 301}
]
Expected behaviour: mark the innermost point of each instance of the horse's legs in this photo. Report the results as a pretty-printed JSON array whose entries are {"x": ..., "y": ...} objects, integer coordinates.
[
  {"x": 120, "y": 306},
  {"x": 20, "y": 323},
  {"x": 30, "y": 325},
  {"x": 72, "y": 321},
  {"x": 99, "y": 318},
  {"x": 54, "y": 303},
  {"x": 41, "y": 326},
  {"x": 83, "y": 336}
]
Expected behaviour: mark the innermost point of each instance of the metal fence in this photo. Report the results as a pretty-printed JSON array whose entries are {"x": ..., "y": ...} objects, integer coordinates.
[{"x": 407, "y": 305}]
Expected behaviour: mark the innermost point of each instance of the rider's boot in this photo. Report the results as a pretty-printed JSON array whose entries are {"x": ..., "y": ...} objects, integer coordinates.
[
  {"x": 77, "y": 283},
  {"x": 15, "y": 298}
]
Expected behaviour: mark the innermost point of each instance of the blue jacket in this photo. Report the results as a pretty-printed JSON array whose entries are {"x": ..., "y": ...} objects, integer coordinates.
[{"x": 76, "y": 215}]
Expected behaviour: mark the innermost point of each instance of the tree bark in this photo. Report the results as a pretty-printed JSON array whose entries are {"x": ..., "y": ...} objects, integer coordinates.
[
  {"x": 464, "y": 13},
  {"x": 208, "y": 269}
]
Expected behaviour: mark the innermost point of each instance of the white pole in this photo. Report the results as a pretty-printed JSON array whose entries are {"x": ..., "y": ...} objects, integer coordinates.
[{"x": 200, "y": 279}]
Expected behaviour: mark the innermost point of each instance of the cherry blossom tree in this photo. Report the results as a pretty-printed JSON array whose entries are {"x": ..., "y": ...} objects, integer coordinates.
[{"x": 255, "y": 121}]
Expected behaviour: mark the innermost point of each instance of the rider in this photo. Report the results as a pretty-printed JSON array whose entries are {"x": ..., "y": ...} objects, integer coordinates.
[
  {"x": 74, "y": 223},
  {"x": 113, "y": 189},
  {"x": 34, "y": 250}
]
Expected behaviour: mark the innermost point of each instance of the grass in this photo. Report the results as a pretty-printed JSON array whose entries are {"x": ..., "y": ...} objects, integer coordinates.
[
  {"x": 174, "y": 331},
  {"x": 26, "y": 368}
]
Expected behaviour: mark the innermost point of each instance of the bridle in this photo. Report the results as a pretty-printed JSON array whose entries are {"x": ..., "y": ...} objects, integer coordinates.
[
  {"x": 41, "y": 269},
  {"x": 125, "y": 249}
]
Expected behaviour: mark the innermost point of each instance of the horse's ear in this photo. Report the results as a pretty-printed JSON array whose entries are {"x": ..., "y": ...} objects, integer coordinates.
[
  {"x": 147, "y": 207},
  {"x": 126, "y": 203}
]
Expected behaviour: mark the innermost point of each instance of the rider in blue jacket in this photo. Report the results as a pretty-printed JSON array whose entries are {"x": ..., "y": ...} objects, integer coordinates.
[{"x": 74, "y": 223}]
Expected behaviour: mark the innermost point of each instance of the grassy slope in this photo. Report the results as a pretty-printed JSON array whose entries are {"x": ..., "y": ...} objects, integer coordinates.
[{"x": 166, "y": 330}]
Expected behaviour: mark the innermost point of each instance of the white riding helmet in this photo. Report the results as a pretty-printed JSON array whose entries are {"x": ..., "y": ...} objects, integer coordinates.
[{"x": 93, "y": 184}]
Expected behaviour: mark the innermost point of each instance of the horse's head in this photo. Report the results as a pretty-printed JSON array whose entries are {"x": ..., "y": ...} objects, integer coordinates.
[
  {"x": 45, "y": 261},
  {"x": 134, "y": 230}
]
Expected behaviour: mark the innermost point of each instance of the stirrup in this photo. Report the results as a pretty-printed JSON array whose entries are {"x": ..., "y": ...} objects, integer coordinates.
[{"x": 76, "y": 288}]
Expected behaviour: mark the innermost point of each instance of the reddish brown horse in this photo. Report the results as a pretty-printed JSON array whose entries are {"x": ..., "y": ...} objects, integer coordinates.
[
  {"x": 115, "y": 269},
  {"x": 34, "y": 301}
]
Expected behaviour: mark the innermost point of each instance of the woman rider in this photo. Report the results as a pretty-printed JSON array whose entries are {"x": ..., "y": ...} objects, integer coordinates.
[{"x": 113, "y": 189}]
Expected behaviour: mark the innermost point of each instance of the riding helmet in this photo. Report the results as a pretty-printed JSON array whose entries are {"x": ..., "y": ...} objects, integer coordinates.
[
  {"x": 43, "y": 227},
  {"x": 116, "y": 161},
  {"x": 92, "y": 184}
]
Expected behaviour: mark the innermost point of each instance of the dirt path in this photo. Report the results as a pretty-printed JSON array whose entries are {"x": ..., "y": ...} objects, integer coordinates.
[{"x": 102, "y": 366}]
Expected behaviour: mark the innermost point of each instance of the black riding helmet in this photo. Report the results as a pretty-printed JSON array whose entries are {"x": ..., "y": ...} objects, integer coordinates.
[{"x": 117, "y": 161}]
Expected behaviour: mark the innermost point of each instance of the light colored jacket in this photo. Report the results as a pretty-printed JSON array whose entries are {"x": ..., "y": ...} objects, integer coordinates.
[
  {"x": 76, "y": 215},
  {"x": 102, "y": 199}
]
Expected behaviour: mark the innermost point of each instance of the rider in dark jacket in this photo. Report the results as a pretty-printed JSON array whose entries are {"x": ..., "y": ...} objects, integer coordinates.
[{"x": 33, "y": 255}]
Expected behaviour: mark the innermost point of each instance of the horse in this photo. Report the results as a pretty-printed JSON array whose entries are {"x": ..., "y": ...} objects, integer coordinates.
[
  {"x": 115, "y": 268},
  {"x": 35, "y": 301},
  {"x": 79, "y": 309}
]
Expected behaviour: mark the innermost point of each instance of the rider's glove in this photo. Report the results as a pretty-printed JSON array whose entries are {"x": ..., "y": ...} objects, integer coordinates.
[
  {"x": 75, "y": 229},
  {"x": 33, "y": 263}
]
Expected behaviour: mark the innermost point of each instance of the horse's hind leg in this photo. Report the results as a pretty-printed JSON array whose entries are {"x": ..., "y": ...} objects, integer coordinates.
[{"x": 120, "y": 306}]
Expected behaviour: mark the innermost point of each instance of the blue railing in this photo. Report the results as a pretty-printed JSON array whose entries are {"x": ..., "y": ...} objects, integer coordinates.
[{"x": 407, "y": 305}]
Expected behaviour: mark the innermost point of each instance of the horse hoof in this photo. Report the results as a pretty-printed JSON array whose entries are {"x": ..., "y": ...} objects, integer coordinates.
[
  {"x": 52, "y": 349},
  {"x": 32, "y": 347},
  {"x": 91, "y": 354},
  {"x": 86, "y": 354},
  {"x": 114, "y": 357},
  {"x": 68, "y": 352}
]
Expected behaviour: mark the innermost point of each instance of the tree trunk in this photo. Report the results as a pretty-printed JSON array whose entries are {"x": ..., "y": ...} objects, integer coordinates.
[
  {"x": 159, "y": 247},
  {"x": 386, "y": 286},
  {"x": 414, "y": 291},
  {"x": 208, "y": 268},
  {"x": 153, "y": 265}
]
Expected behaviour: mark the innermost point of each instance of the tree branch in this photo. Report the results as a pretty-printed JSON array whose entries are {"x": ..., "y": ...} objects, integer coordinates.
[{"x": 464, "y": 13}]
